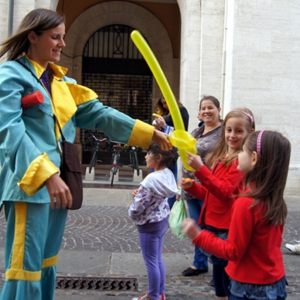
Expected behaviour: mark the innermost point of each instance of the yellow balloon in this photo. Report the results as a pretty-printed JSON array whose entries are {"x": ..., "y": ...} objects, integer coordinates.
[{"x": 179, "y": 138}]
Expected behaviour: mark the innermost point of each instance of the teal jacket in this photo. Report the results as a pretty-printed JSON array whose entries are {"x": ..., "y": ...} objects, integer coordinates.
[{"x": 29, "y": 154}]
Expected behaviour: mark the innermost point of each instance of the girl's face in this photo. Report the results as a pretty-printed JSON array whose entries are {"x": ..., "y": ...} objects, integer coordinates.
[
  {"x": 235, "y": 132},
  {"x": 47, "y": 47},
  {"x": 209, "y": 113},
  {"x": 164, "y": 103},
  {"x": 152, "y": 162},
  {"x": 246, "y": 159}
]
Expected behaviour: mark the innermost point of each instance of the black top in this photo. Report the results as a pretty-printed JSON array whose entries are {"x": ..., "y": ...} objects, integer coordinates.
[{"x": 184, "y": 115}]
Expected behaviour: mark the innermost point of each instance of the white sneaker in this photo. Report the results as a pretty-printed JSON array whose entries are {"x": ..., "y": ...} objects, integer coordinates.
[{"x": 293, "y": 248}]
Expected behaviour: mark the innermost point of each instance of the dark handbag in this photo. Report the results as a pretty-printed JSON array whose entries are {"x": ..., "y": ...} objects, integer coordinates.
[{"x": 70, "y": 172}]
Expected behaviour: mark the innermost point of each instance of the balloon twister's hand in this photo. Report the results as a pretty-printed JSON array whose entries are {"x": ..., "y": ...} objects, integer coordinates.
[
  {"x": 162, "y": 140},
  {"x": 186, "y": 183},
  {"x": 134, "y": 192},
  {"x": 194, "y": 161},
  {"x": 60, "y": 191},
  {"x": 190, "y": 228}
]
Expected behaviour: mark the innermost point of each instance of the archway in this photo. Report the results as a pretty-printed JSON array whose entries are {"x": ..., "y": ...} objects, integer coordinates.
[{"x": 119, "y": 12}]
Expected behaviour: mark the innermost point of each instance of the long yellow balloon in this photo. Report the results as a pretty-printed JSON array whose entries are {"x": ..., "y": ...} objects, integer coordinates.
[{"x": 179, "y": 138}]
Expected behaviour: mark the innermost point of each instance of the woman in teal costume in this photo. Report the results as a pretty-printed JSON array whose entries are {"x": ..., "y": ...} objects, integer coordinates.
[{"x": 35, "y": 198}]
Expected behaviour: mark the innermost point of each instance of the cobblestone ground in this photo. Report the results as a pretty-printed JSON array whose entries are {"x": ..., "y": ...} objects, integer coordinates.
[{"x": 108, "y": 228}]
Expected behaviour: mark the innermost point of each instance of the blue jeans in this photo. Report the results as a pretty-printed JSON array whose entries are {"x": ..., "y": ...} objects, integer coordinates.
[
  {"x": 231, "y": 297},
  {"x": 151, "y": 245},
  {"x": 275, "y": 291},
  {"x": 194, "y": 207},
  {"x": 174, "y": 170}
]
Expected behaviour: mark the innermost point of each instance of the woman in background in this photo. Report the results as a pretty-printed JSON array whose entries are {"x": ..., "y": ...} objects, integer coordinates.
[
  {"x": 207, "y": 136},
  {"x": 166, "y": 124}
]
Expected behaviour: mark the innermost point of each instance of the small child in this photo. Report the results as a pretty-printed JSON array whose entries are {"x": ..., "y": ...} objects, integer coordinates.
[
  {"x": 220, "y": 179},
  {"x": 150, "y": 211},
  {"x": 253, "y": 247}
]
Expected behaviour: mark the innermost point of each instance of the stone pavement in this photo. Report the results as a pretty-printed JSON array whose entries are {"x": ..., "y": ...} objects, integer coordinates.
[{"x": 101, "y": 240}]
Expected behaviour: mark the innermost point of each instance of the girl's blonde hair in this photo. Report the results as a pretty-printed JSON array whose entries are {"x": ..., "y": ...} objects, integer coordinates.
[
  {"x": 268, "y": 178},
  {"x": 221, "y": 148}
]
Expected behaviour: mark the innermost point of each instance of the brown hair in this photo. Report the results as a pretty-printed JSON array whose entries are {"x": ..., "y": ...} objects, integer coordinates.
[
  {"x": 39, "y": 21},
  {"x": 214, "y": 100},
  {"x": 160, "y": 109},
  {"x": 169, "y": 158},
  {"x": 221, "y": 149},
  {"x": 269, "y": 175}
]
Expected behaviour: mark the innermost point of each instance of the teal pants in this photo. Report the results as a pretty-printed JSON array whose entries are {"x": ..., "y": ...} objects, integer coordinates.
[{"x": 33, "y": 238}]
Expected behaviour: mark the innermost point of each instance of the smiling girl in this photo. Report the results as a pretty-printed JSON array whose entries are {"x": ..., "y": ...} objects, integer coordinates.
[
  {"x": 219, "y": 183},
  {"x": 150, "y": 211},
  {"x": 253, "y": 248}
]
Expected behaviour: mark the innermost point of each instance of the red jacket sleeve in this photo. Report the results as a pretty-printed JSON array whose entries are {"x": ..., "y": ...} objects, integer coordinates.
[
  {"x": 240, "y": 234},
  {"x": 220, "y": 185},
  {"x": 197, "y": 190}
]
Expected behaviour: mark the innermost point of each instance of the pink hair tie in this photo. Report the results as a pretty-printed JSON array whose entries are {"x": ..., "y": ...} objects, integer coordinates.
[
  {"x": 250, "y": 118},
  {"x": 258, "y": 145}
]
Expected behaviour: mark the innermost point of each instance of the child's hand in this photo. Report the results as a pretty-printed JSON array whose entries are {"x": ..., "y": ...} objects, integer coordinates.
[
  {"x": 134, "y": 192},
  {"x": 194, "y": 161},
  {"x": 156, "y": 125},
  {"x": 190, "y": 228},
  {"x": 186, "y": 183},
  {"x": 161, "y": 122}
]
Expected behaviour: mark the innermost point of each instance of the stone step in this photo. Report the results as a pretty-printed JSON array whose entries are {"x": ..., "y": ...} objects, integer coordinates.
[{"x": 125, "y": 172}]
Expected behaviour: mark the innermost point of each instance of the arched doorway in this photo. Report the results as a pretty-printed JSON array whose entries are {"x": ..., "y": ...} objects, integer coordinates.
[
  {"x": 120, "y": 12},
  {"x": 113, "y": 67}
]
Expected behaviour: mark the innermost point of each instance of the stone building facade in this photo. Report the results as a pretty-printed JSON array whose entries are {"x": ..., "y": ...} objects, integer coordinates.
[{"x": 244, "y": 52}]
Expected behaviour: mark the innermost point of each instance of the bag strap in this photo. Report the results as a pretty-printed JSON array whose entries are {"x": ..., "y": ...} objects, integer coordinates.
[{"x": 41, "y": 83}]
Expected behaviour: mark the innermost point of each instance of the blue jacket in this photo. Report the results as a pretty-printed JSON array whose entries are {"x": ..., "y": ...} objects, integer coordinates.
[{"x": 29, "y": 154}]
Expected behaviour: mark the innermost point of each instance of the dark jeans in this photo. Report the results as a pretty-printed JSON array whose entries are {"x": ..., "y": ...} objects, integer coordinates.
[
  {"x": 194, "y": 207},
  {"x": 221, "y": 281}
]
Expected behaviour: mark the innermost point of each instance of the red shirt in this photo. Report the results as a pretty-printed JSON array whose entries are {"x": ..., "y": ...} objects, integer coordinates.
[
  {"x": 217, "y": 189},
  {"x": 253, "y": 247}
]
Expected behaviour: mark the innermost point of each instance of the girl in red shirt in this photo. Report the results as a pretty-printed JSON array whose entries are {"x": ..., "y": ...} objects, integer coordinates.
[
  {"x": 253, "y": 248},
  {"x": 219, "y": 183}
]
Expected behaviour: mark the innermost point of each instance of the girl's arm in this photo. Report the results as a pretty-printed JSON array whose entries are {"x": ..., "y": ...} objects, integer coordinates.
[
  {"x": 240, "y": 233},
  {"x": 193, "y": 188},
  {"x": 221, "y": 187},
  {"x": 142, "y": 199}
]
